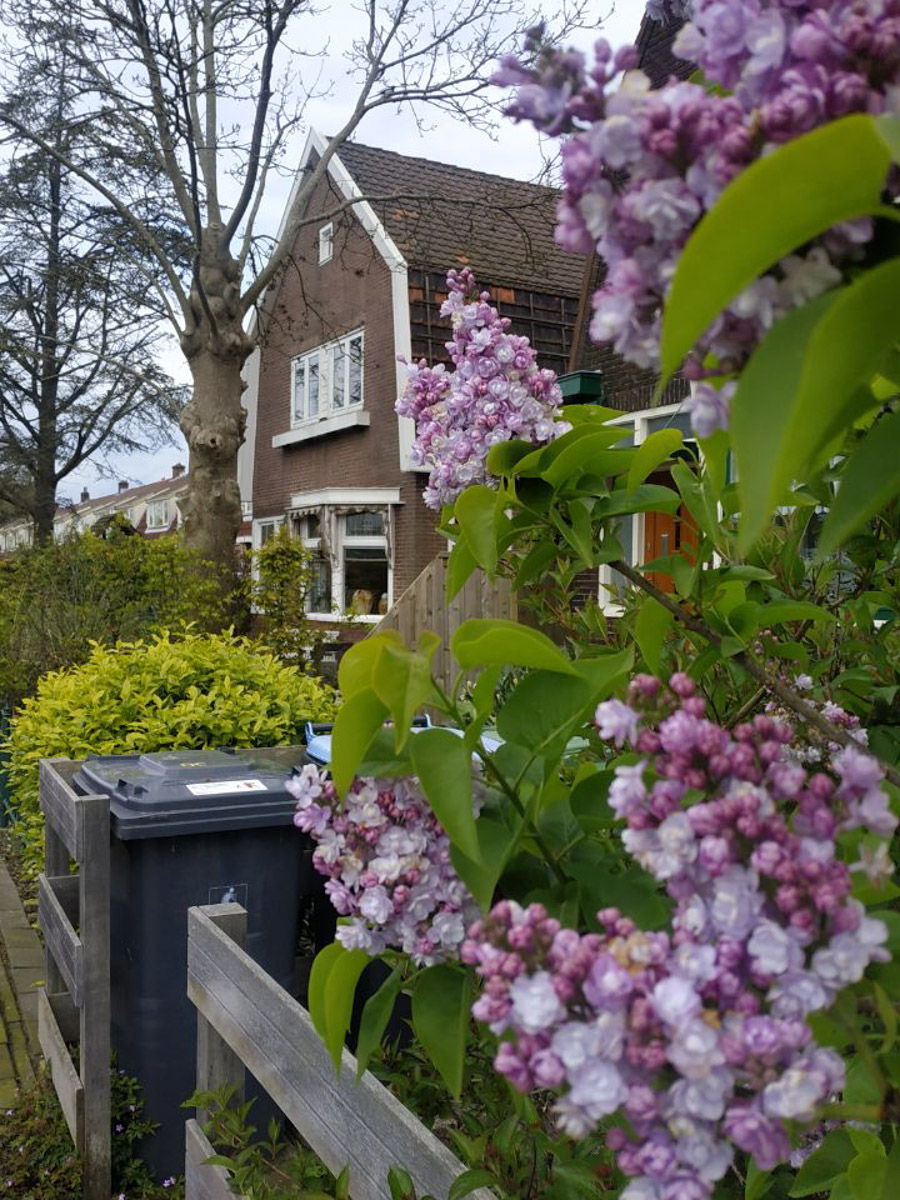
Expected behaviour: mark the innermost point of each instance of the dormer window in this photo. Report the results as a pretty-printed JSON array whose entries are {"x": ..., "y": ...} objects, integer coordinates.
[
  {"x": 326, "y": 243},
  {"x": 157, "y": 514}
]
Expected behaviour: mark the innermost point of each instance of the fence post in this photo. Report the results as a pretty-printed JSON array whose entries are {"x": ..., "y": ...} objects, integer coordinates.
[
  {"x": 217, "y": 1064},
  {"x": 93, "y": 888}
]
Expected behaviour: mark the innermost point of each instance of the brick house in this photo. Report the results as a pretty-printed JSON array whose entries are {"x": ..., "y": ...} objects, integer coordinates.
[
  {"x": 325, "y": 452},
  {"x": 151, "y": 508}
]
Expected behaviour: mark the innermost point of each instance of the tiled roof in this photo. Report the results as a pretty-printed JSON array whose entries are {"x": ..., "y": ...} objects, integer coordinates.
[
  {"x": 452, "y": 217},
  {"x": 162, "y": 488}
]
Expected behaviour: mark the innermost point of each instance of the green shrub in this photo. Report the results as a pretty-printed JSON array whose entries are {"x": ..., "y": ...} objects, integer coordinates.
[
  {"x": 284, "y": 575},
  {"x": 56, "y": 599},
  {"x": 193, "y": 690}
]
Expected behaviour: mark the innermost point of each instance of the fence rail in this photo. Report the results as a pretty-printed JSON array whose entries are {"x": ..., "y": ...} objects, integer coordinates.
[
  {"x": 424, "y": 606},
  {"x": 74, "y": 1006},
  {"x": 246, "y": 1020}
]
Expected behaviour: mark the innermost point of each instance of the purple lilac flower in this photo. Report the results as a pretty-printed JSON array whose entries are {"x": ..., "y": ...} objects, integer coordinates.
[
  {"x": 789, "y": 66},
  {"x": 387, "y": 860},
  {"x": 698, "y": 1035},
  {"x": 496, "y": 392}
]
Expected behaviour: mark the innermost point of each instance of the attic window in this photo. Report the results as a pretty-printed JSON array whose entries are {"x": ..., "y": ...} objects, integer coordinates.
[{"x": 326, "y": 243}]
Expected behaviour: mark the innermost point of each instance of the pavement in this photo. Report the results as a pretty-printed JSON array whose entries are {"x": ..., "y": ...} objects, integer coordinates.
[{"x": 21, "y": 972}]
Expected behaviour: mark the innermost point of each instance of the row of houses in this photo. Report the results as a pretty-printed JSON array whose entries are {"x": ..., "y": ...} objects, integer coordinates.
[{"x": 325, "y": 453}]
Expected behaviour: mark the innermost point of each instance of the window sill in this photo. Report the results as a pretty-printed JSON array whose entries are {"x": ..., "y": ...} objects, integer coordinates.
[{"x": 315, "y": 429}]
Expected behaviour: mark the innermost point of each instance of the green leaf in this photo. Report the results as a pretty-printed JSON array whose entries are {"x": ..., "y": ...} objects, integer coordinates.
[
  {"x": 652, "y": 625},
  {"x": 342, "y": 1184},
  {"x": 698, "y": 503},
  {"x": 781, "y": 201},
  {"x": 535, "y": 562},
  {"x": 502, "y": 457},
  {"x": 481, "y": 643},
  {"x": 375, "y": 1016},
  {"x": 657, "y": 448},
  {"x": 332, "y": 984},
  {"x": 867, "y": 1174},
  {"x": 465, "y": 1184},
  {"x": 603, "y": 671},
  {"x": 757, "y": 1182},
  {"x": 495, "y": 842},
  {"x": 400, "y": 1184},
  {"x": 781, "y": 611},
  {"x": 460, "y": 566},
  {"x": 589, "y": 454},
  {"x": 477, "y": 510},
  {"x": 444, "y": 767},
  {"x": 544, "y": 707},
  {"x": 358, "y": 662},
  {"x": 815, "y": 392},
  {"x": 357, "y": 722},
  {"x": 589, "y": 801},
  {"x": 824, "y": 1165},
  {"x": 870, "y": 480},
  {"x": 649, "y": 497},
  {"x": 440, "y": 1017},
  {"x": 402, "y": 681}
]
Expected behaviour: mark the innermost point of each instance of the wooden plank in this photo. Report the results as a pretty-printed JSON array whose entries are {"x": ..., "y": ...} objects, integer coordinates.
[
  {"x": 65, "y": 1078},
  {"x": 62, "y": 942},
  {"x": 217, "y": 1064},
  {"x": 360, "y": 1124},
  {"x": 58, "y": 804},
  {"x": 203, "y": 1182},
  {"x": 67, "y": 1015},
  {"x": 93, "y": 879}
]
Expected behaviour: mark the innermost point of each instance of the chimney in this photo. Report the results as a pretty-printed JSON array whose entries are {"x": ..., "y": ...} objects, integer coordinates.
[
  {"x": 123, "y": 485},
  {"x": 178, "y": 470},
  {"x": 85, "y": 495}
]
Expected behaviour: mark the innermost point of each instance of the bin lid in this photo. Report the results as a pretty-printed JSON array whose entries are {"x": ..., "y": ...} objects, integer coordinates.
[
  {"x": 318, "y": 747},
  {"x": 176, "y": 792}
]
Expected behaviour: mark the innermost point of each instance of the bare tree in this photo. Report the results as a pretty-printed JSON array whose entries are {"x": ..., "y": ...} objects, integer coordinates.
[
  {"x": 78, "y": 345},
  {"x": 204, "y": 97}
]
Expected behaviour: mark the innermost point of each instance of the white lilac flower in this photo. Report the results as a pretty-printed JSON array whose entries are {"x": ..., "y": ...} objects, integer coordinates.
[
  {"x": 773, "y": 950},
  {"x": 535, "y": 1004},
  {"x": 675, "y": 1001},
  {"x": 598, "y": 1089}
]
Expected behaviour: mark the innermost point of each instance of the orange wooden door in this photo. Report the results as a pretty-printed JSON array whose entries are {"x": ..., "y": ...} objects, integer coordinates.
[{"x": 665, "y": 534}]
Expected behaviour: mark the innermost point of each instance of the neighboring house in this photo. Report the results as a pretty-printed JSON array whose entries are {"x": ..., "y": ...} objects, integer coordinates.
[
  {"x": 152, "y": 508},
  {"x": 326, "y": 452}
]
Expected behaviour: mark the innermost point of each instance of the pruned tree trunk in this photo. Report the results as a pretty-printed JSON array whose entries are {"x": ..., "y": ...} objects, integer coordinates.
[{"x": 213, "y": 421}]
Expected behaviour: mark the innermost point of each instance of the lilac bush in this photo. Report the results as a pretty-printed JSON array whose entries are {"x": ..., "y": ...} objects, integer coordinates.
[
  {"x": 495, "y": 392},
  {"x": 641, "y": 167},
  {"x": 696, "y": 1035},
  {"x": 387, "y": 860}
]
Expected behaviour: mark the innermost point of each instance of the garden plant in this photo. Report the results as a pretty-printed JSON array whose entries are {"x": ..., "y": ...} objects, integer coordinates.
[{"x": 682, "y": 946}]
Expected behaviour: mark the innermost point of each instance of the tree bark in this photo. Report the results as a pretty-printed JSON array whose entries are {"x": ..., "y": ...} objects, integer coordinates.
[{"x": 216, "y": 348}]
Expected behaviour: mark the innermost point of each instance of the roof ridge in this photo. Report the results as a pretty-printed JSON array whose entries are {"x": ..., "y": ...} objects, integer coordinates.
[{"x": 455, "y": 167}]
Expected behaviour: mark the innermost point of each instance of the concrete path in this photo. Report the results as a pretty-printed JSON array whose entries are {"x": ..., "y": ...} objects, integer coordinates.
[{"x": 21, "y": 971}]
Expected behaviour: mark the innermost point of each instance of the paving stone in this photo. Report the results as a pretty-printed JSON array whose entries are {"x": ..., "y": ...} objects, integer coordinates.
[
  {"x": 26, "y": 979},
  {"x": 8, "y": 1093},
  {"x": 21, "y": 1057},
  {"x": 7, "y": 1070},
  {"x": 9, "y": 1007},
  {"x": 27, "y": 956}
]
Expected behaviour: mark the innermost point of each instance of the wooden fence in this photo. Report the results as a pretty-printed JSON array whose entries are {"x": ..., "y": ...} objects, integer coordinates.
[
  {"x": 74, "y": 1005},
  {"x": 424, "y": 606},
  {"x": 246, "y": 1020}
]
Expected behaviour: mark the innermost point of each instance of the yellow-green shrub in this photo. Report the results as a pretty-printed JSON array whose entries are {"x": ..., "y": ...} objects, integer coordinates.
[{"x": 193, "y": 690}]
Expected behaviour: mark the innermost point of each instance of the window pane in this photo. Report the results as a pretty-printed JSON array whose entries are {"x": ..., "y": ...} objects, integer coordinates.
[
  {"x": 313, "y": 401},
  {"x": 318, "y": 598},
  {"x": 365, "y": 580},
  {"x": 364, "y": 524},
  {"x": 354, "y": 390},
  {"x": 338, "y": 382},
  {"x": 266, "y": 532},
  {"x": 299, "y": 390}
]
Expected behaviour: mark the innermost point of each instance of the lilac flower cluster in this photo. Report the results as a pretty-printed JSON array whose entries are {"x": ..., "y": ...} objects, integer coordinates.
[
  {"x": 496, "y": 392},
  {"x": 697, "y": 1036},
  {"x": 388, "y": 865},
  {"x": 643, "y": 166}
]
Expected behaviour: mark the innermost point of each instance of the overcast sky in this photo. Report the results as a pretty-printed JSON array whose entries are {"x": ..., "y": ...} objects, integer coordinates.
[{"x": 513, "y": 151}]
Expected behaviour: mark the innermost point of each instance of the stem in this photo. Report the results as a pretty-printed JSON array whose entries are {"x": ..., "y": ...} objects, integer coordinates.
[{"x": 785, "y": 694}]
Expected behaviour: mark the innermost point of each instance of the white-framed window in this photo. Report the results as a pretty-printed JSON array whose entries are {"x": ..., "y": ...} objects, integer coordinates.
[
  {"x": 326, "y": 243},
  {"x": 328, "y": 380},
  {"x": 157, "y": 514},
  {"x": 354, "y": 574},
  {"x": 265, "y": 530}
]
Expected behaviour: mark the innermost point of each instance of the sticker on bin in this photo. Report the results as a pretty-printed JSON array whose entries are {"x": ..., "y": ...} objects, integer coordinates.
[{"x": 226, "y": 787}]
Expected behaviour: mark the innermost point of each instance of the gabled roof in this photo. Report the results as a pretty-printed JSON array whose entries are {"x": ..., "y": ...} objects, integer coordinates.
[{"x": 451, "y": 216}]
